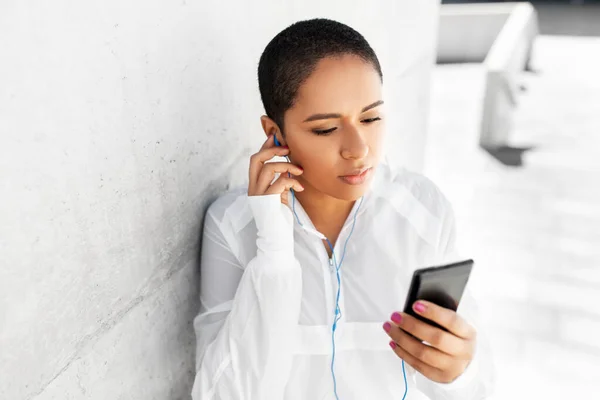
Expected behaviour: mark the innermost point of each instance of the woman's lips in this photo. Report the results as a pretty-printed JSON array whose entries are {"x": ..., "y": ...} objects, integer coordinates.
[{"x": 356, "y": 179}]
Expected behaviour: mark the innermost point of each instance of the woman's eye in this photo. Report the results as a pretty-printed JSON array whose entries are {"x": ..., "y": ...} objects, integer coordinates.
[
  {"x": 323, "y": 132},
  {"x": 328, "y": 131}
]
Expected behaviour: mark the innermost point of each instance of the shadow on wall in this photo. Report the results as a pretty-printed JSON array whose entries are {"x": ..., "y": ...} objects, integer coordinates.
[{"x": 509, "y": 156}]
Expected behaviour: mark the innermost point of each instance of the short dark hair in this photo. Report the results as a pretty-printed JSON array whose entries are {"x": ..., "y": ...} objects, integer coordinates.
[{"x": 292, "y": 55}]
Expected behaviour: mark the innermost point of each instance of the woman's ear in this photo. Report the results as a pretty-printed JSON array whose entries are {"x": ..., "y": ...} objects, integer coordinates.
[{"x": 271, "y": 128}]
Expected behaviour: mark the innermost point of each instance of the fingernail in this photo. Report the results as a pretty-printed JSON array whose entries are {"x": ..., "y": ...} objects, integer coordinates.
[
  {"x": 396, "y": 317},
  {"x": 387, "y": 326},
  {"x": 285, "y": 147},
  {"x": 419, "y": 307},
  {"x": 393, "y": 345}
]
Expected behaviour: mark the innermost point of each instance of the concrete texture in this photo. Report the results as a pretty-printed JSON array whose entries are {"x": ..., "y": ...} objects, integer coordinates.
[
  {"x": 119, "y": 123},
  {"x": 533, "y": 226}
]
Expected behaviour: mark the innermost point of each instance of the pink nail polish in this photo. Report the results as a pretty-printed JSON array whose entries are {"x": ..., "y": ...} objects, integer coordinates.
[
  {"x": 392, "y": 345},
  {"x": 387, "y": 327},
  {"x": 419, "y": 307},
  {"x": 396, "y": 317}
]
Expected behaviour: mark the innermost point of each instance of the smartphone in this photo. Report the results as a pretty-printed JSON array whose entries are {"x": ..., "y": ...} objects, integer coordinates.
[{"x": 442, "y": 285}]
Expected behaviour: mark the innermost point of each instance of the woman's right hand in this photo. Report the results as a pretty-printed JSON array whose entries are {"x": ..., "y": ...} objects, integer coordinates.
[{"x": 262, "y": 173}]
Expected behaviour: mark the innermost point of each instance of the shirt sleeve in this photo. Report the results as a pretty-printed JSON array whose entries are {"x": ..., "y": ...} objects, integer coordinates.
[
  {"x": 248, "y": 314},
  {"x": 478, "y": 379}
]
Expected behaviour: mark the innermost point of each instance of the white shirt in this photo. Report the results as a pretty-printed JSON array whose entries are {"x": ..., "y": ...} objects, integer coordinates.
[{"x": 268, "y": 297}]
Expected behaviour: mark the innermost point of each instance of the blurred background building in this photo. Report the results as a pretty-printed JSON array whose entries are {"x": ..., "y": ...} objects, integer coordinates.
[{"x": 529, "y": 208}]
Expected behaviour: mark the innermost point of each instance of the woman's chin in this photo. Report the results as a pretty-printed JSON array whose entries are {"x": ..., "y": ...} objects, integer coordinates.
[{"x": 350, "y": 192}]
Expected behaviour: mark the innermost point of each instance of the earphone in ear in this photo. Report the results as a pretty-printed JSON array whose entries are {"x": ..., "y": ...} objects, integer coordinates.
[{"x": 278, "y": 144}]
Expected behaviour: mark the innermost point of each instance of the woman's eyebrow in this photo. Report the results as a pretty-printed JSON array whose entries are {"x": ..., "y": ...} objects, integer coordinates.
[{"x": 316, "y": 117}]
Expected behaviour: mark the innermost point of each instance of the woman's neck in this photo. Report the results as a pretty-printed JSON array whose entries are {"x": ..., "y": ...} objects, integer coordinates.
[{"x": 327, "y": 213}]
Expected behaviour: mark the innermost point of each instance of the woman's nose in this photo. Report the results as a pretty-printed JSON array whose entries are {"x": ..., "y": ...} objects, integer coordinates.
[{"x": 355, "y": 147}]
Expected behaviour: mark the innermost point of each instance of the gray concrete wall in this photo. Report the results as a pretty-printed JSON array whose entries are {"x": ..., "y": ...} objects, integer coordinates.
[{"x": 119, "y": 123}]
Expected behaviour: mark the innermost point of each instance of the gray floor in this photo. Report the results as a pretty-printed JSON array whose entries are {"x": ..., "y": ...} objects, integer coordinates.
[
  {"x": 533, "y": 230},
  {"x": 562, "y": 19}
]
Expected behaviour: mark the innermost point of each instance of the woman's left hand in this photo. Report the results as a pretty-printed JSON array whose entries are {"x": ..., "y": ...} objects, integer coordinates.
[{"x": 448, "y": 353}]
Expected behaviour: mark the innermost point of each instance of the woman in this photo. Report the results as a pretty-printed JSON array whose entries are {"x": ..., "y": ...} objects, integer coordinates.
[{"x": 303, "y": 272}]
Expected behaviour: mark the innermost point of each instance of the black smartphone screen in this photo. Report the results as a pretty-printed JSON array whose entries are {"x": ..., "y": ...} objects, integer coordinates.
[{"x": 442, "y": 285}]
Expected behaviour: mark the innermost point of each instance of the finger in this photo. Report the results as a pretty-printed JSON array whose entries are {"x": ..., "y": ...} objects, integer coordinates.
[
  {"x": 447, "y": 318},
  {"x": 425, "y": 369},
  {"x": 282, "y": 184},
  {"x": 267, "y": 174},
  {"x": 270, "y": 142},
  {"x": 285, "y": 197},
  {"x": 257, "y": 161},
  {"x": 436, "y": 337},
  {"x": 420, "y": 351}
]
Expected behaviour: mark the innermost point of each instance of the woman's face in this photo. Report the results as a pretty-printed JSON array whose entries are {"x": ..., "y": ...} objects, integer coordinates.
[{"x": 336, "y": 126}]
